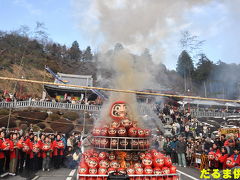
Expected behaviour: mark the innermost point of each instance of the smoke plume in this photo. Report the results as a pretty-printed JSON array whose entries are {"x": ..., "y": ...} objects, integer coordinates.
[{"x": 137, "y": 24}]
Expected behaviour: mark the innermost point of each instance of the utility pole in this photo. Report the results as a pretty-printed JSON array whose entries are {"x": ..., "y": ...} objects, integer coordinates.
[{"x": 205, "y": 89}]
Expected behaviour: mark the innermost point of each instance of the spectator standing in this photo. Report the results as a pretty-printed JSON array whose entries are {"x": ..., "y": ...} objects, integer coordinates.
[
  {"x": 173, "y": 152},
  {"x": 161, "y": 143},
  {"x": 181, "y": 150}
]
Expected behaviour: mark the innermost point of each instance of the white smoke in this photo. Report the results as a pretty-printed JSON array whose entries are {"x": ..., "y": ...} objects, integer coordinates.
[{"x": 137, "y": 24}]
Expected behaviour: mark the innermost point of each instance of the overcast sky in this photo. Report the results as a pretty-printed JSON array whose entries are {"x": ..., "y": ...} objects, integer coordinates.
[{"x": 136, "y": 24}]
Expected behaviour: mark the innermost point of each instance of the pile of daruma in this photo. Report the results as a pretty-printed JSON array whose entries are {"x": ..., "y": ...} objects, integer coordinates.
[
  {"x": 137, "y": 137},
  {"x": 151, "y": 165}
]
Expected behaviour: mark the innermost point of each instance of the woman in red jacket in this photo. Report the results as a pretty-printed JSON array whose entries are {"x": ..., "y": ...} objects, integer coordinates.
[
  {"x": 236, "y": 156},
  {"x": 41, "y": 142},
  {"x": 34, "y": 153},
  {"x": 13, "y": 155},
  {"x": 3, "y": 148},
  {"x": 223, "y": 158},
  {"x": 46, "y": 153},
  {"x": 58, "y": 148}
]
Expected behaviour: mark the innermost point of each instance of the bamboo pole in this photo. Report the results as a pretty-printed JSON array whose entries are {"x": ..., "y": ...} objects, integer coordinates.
[{"x": 118, "y": 90}]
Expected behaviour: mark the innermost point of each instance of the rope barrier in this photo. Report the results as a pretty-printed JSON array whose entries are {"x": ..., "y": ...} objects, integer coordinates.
[{"x": 118, "y": 90}]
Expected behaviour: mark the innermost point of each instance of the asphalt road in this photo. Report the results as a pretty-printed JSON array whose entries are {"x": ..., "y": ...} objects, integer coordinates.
[
  {"x": 68, "y": 174},
  {"x": 59, "y": 174}
]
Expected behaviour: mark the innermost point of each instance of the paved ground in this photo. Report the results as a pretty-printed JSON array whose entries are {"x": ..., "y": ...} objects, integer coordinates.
[
  {"x": 60, "y": 174},
  {"x": 68, "y": 174},
  {"x": 188, "y": 173}
]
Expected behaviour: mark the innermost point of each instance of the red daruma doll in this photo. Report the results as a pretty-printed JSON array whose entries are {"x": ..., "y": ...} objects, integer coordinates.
[{"x": 118, "y": 111}]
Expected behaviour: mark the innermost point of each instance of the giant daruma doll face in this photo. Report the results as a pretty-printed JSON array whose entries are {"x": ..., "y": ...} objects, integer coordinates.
[{"x": 118, "y": 110}]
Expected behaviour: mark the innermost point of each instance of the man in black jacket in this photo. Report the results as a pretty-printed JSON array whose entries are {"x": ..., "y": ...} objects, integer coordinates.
[{"x": 181, "y": 150}]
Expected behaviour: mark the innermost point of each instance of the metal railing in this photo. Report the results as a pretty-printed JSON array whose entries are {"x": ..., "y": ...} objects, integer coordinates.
[
  {"x": 49, "y": 105},
  {"x": 197, "y": 113},
  {"x": 143, "y": 108}
]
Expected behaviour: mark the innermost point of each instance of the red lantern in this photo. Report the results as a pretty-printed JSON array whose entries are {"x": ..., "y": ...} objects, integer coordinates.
[
  {"x": 133, "y": 132},
  {"x": 123, "y": 143},
  {"x": 230, "y": 162},
  {"x": 112, "y": 132},
  {"x": 158, "y": 162},
  {"x": 127, "y": 123},
  {"x": 92, "y": 163},
  {"x": 211, "y": 155},
  {"x": 122, "y": 132},
  {"x": 147, "y": 161},
  {"x": 104, "y": 164},
  {"x": 167, "y": 162},
  {"x": 118, "y": 110},
  {"x": 147, "y": 132},
  {"x": 102, "y": 155},
  {"x": 134, "y": 144},
  {"x": 104, "y": 131},
  {"x": 141, "y": 132},
  {"x": 104, "y": 143}
]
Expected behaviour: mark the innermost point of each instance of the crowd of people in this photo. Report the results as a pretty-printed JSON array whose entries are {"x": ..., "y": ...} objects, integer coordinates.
[
  {"x": 29, "y": 152},
  {"x": 191, "y": 137}
]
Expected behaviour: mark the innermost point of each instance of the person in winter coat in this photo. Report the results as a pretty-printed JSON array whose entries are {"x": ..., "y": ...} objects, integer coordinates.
[
  {"x": 181, "y": 150},
  {"x": 58, "y": 148},
  {"x": 173, "y": 152},
  {"x": 46, "y": 153},
  {"x": 13, "y": 155},
  {"x": 236, "y": 156},
  {"x": 223, "y": 158}
]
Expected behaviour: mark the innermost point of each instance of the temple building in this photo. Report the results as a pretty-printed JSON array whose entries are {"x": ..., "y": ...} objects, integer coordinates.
[{"x": 63, "y": 93}]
